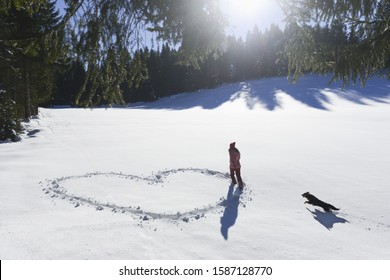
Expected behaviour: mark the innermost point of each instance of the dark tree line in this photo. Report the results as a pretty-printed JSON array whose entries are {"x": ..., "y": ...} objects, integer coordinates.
[{"x": 163, "y": 73}]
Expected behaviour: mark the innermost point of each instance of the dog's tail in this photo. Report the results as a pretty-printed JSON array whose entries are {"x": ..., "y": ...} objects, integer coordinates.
[{"x": 333, "y": 208}]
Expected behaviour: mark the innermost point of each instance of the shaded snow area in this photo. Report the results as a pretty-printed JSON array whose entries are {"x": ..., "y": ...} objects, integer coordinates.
[{"x": 150, "y": 181}]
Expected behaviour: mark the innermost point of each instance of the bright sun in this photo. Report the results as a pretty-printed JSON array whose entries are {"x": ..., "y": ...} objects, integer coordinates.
[
  {"x": 243, "y": 15},
  {"x": 245, "y": 8}
]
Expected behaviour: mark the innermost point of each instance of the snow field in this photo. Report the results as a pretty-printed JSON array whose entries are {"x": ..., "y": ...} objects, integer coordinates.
[{"x": 149, "y": 181}]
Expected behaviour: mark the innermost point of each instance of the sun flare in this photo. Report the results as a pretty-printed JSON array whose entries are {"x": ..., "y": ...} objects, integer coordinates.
[
  {"x": 243, "y": 15},
  {"x": 245, "y": 8}
]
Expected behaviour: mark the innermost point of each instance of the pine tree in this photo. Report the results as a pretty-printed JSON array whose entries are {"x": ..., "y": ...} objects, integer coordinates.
[
  {"x": 365, "y": 22},
  {"x": 197, "y": 25},
  {"x": 67, "y": 83},
  {"x": 30, "y": 51},
  {"x": 9, "y": 121}
]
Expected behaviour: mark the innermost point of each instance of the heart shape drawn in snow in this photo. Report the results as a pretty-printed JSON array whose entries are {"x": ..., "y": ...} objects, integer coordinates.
[{"x": 178, "y": 194}]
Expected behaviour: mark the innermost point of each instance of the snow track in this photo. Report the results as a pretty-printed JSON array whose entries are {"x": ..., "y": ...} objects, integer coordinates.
[{"x": 69, "y": 188}]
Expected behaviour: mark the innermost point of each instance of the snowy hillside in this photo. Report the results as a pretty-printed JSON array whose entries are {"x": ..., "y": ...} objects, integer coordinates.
[{"x": 150, "y": 181}]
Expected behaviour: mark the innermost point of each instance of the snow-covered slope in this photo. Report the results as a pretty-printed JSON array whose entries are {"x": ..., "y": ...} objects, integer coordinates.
[{"x": 150, "y": 181}]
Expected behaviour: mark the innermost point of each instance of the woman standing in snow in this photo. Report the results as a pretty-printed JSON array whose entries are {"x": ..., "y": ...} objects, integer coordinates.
[{"x": 235, "y": 166}]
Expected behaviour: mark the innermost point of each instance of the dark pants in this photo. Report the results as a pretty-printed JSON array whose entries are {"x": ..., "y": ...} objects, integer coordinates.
[{"x": 238, "y": 174}]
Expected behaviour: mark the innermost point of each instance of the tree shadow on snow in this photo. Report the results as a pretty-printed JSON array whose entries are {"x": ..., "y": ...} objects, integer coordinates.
[
  {"x": 327, "y": 219},
  {"x": 32, "y": 133},
  {"x": 231, "y": 212},
  {"x": 310, "y": 90}
]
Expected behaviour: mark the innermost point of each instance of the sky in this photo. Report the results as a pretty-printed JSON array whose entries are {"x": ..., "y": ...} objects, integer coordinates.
[{"x": 243, "y": 15}]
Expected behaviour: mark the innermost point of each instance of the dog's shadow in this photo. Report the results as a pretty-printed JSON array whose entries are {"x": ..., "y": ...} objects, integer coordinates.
[{"x": 327, "y": 219}]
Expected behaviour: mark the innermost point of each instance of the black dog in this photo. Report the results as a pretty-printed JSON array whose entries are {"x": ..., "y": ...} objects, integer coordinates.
[{"x": 311, "y": 199}]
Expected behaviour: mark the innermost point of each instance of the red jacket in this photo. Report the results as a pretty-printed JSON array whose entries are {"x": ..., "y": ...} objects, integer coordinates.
[{"x": 234, "y": 158}]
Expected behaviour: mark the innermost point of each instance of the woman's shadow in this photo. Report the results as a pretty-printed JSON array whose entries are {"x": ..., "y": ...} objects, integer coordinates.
[{"x": 231, "y": 211}]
